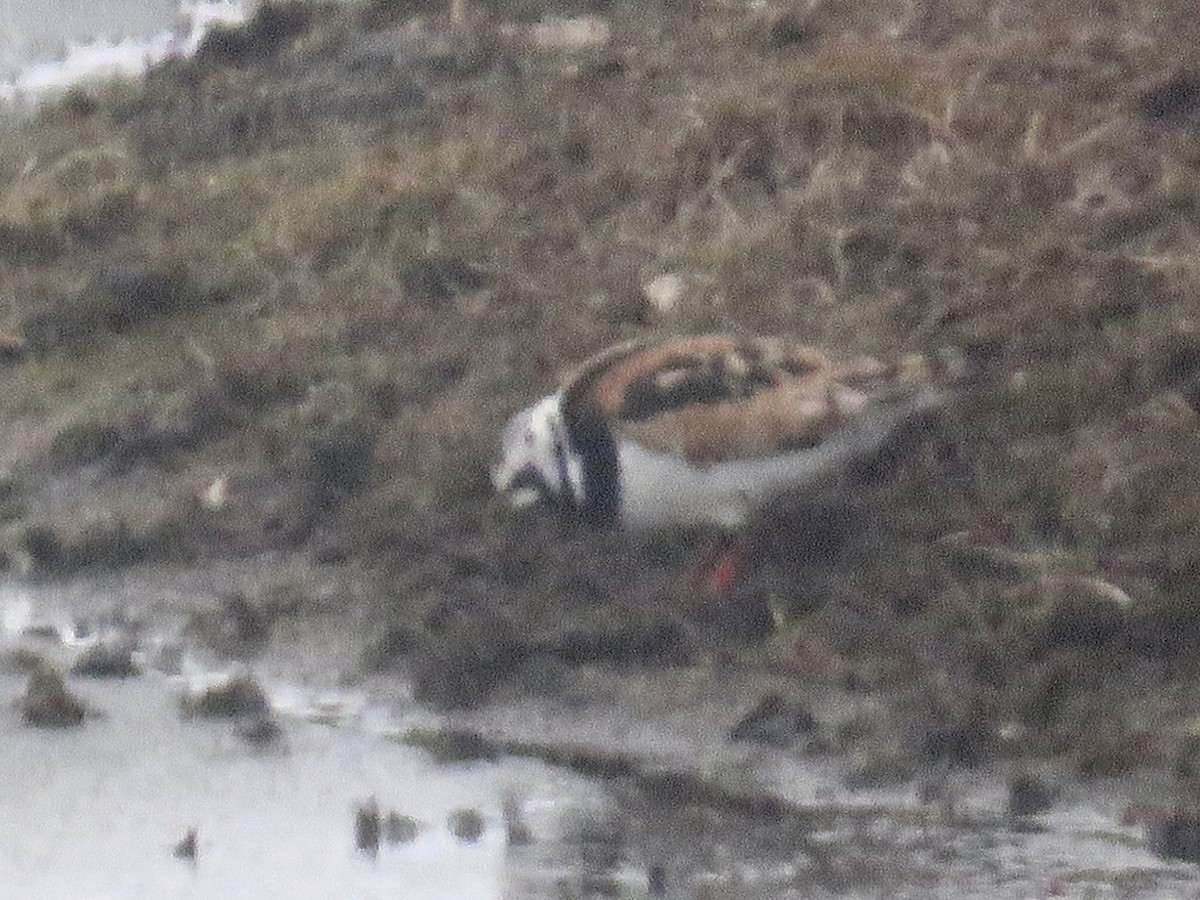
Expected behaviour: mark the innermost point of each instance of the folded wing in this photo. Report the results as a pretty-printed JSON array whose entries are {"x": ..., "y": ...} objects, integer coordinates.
[{"x": 718, "y": 398}]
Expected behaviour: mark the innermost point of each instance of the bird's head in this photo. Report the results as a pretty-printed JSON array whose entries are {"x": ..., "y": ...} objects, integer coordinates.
[{"x": 537, "y": 464}]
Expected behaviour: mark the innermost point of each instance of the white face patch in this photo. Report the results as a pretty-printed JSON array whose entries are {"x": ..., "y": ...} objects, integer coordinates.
[
  {"x": 520, "y": 498},
  {"x": 535, "y": 460}
]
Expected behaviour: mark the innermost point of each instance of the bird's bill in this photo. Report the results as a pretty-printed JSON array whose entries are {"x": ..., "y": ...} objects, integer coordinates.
[{"x": 523, "y": 488}]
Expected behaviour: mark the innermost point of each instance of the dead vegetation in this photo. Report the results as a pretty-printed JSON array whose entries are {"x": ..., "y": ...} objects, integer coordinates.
[{"x": 325, "y": 259}]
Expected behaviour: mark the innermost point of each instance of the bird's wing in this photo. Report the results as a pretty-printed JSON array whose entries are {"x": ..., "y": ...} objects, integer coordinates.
[{"x": 716, "y": 398}]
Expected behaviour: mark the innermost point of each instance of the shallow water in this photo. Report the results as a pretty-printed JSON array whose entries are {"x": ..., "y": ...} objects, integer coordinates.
[
  {"x": 48, "y": 47},
  {"x": 34, "y": 32},
  {"x": 95, "y": 811}
]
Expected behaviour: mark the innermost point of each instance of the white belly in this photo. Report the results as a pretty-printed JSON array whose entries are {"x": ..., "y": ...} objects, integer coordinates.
[{"x": 660, "y": 489}]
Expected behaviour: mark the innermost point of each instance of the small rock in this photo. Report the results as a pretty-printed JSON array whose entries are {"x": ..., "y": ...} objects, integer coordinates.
[
  {"x": 367, "y": 828},
  {"x": 107, "y": 660},
  {"x": 1029, "y": 795},
  {"x": 466, "y": 825},
  {"x": 186, "y": 848},
  {"x": 774, "y": 722},
  {"x": 516, "y": 831},
  {"x": 47, "y": 702},
  {"x": 261, "y": 732},
  {"x": 400, "y": 829}
]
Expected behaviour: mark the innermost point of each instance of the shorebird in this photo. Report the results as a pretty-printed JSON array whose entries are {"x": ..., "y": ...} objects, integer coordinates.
[{"x": 705, "y": 430}]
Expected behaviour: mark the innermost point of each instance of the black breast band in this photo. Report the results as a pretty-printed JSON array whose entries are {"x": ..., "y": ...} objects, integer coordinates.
[{"x": 592, "y": 441}]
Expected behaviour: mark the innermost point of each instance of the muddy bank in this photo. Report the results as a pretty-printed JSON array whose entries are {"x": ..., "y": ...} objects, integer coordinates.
[{"x": 270, "y": 305}]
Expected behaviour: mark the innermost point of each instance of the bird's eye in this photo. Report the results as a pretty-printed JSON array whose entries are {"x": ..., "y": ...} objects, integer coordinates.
[{"x": 529, "y": 439}]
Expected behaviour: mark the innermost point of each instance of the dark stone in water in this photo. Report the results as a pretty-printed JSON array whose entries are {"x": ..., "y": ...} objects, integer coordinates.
[
  {"x": 400, "y": 829},
  {"x": 186, "y": 848},
  {"x": 367, "y": 828},
  {"x": 107, "y": 660},
  {"x": 47, "y": 702},
  {"x": 1029, "y": 795},
  {"x": 516, "y": 831},
  {"x": 262, "y": 732},
  {"x": 466, "y": 824}
]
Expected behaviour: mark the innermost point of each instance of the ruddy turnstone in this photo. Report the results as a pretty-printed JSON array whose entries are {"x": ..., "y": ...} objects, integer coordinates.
[{"x": 705, "y": 430}]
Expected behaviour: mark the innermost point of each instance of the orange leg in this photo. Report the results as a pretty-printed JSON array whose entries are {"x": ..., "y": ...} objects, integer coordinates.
[
  {"x": 714, "y": 570},
  {"x": 718, "y": 566}
]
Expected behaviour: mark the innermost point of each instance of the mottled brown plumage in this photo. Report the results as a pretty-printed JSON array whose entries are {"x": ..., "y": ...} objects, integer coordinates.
[{"x": 718, "y": 398}]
